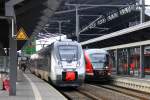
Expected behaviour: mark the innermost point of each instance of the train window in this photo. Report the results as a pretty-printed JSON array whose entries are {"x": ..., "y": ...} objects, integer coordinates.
[
  {"x": 98, "y": 60},
  {"x": 97, "y": 57},
  {"x": 68, "y": 53}
]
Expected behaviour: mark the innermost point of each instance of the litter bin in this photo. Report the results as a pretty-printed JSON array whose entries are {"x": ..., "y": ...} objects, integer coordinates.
[{"x": 6, "y": 85}]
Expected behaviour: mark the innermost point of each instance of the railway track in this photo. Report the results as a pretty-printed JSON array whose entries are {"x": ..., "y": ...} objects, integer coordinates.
[
  {"x": 130, "y": 92},
  {"x": 76, "y": 94},
  {"x": 94, "y": 92},
  {"x": 104, "y": 93}
]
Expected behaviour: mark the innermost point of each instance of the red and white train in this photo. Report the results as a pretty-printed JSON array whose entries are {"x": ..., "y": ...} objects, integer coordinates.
[{"x": 97, "y": 64}]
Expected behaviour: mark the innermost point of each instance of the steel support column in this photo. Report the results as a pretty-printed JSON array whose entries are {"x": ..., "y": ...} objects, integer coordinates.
[
  {"x": 12, "y": 56},
  {"x": 13, "y": 65},
  {"x": 116, "y": 62},
  {"x": 9, "y": 11},
  {"x": 141, "y": 62},
  {"x": 59, "y": 25},
  {"x": 77, "y": 24},
  {"x": 142, "y": 14},
  {"x": 128, "y": 60}
]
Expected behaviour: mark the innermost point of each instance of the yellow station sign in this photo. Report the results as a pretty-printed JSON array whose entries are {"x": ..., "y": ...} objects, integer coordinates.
[{"x": 21, "y": 35}]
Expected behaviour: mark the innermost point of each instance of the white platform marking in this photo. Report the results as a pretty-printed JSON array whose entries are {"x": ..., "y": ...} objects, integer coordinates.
[{"x": 34, "y": 88}]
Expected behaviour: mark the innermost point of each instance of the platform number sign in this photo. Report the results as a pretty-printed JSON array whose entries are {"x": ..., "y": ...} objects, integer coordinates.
[{"x": 21, "y": 35}]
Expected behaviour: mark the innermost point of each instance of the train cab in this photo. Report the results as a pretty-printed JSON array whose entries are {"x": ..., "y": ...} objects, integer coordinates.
[{"x": 97, "y": 66}]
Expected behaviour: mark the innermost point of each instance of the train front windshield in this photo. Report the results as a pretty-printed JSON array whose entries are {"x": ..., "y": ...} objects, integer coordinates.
[
  {"x": 68, "y": 53},
  {"x": 98, "y": 60}
]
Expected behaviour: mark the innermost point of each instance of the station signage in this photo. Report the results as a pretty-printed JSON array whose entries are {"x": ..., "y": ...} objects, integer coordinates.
[
  {"x": 21, "y": 35},
  {"x": 30, "y": 47}
]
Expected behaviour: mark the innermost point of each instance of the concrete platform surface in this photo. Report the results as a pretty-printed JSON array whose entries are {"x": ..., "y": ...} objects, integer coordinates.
[
  {"x": 32, "y": 88},
  {"x": 140, "y": 84}
]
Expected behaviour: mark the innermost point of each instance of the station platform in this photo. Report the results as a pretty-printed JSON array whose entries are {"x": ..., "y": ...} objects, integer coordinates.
[
  {"x": 30, "y": 87},
  {"x": 140, "y": 84}
]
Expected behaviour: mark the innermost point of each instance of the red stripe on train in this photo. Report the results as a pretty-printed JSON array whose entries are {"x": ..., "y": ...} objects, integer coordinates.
[{"x": 70, "y": 76}]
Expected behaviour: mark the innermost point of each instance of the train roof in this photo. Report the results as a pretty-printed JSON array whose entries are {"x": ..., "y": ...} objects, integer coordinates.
[
  {"x": 68, "y": 41},
  {"x": 95, "y": 51},
  {"x": 60, "y": 42}
]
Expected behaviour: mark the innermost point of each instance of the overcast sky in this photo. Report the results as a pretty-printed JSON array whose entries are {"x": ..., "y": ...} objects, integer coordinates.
[{"x": 147, "y": 2}]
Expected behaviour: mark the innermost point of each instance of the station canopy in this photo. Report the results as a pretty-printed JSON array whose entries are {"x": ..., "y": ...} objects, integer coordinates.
[
  {"x": 29, "y": 14},
  {"x": 41, "y": 18},
  {"x": 96, "y": 18}
]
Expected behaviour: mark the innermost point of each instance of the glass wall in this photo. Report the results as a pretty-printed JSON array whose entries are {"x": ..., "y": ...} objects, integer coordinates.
[
  {"x": 134, "y": 61},
  {"x": 129, "y": 61},
  {"x": 147, "y": 61},
  {"x": 122, "y": 62},
  {"x": 112, "y": 62},
  {"x": 126, "y": 66}
]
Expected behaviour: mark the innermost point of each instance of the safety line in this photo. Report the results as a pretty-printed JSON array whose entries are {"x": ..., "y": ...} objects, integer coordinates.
[{"x": 34, "y": 88}]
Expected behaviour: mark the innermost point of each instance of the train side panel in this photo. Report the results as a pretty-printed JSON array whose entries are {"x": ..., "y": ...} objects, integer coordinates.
[{"x": 62, "y": 63}]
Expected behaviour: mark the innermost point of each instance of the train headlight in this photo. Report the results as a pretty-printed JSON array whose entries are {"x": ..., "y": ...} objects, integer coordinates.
[
  {"x": 106, "y": 67},
  {"x": 109, "y": 73}
]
